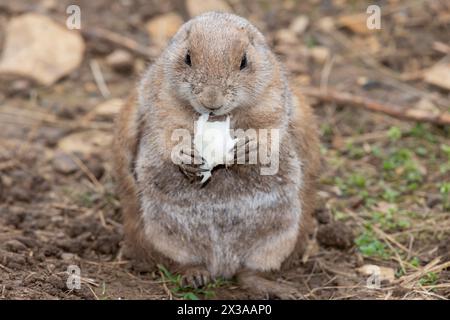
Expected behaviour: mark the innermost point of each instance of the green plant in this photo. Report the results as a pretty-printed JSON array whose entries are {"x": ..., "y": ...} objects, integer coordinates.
[
  {"x": 354, "y": 152},
  {"x": 394, "y": 133},
  {"x": 103, "y": 295},
  {"x": 415, "y": 262},
  {"x": 86, "y": 199},
  {"x": 357, "y": 180},
  {"x": 370, "y": 246},
  {"x": 401, "y": 163},
  {"x": 429, "y": 279},
  {"x": 421, "y": 151},
  {"x": 444, "y": 189},
  {"x": 446, "y": 149},
  {"x": 390, "y": 220},
  {"x": 390, "y": 194},
  {"x": 420, "y": 131}
]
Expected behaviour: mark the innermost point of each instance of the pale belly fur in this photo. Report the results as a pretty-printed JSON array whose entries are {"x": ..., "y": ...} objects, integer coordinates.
[{"x": 256, "y": 230}]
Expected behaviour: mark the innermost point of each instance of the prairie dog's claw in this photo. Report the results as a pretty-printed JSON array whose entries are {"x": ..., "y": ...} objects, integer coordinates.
[{"x": 196, "y": 277}]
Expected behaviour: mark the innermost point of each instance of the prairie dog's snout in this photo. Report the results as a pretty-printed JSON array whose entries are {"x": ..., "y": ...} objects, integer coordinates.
[{"x": 211, "y": 97}]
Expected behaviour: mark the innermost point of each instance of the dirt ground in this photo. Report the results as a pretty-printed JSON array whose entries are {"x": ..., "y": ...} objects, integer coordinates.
[{"x": 384, "y": 195}]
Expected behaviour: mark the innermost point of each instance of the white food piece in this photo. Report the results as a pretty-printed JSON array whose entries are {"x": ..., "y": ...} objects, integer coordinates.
[{"x": 214, "y": 143}]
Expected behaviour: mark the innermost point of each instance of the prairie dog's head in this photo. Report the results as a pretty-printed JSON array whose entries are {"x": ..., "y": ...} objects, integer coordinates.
[{"x": 218, "y": 62}]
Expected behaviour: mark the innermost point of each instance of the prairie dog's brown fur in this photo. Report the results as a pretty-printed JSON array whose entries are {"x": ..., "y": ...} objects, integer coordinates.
[{"x": 241, "y": 223}]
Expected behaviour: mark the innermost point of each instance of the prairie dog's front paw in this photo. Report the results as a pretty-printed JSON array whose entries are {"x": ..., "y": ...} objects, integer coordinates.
[{"x": 190, "y": 162}]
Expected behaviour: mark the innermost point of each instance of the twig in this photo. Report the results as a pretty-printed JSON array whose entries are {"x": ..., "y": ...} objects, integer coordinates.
[
  {"x": 89, "y": 281},
  {"x": 27, "y": 117},
  {"x": 113, "y": 263},
  {"x": 389, "y": 238},
  {"x": 432, "y": 294},
  {"x": 8, "y": 165},
  {"x": 93, "y": 292},
  {"x": 367, "y": 137},
  {"x": 410, "y": 246},
  {"x": 99, "y": 79},
  {"x": 120, "y": 41},
  {"x": 325, "y": 74},
  {"x": 434, "y": 266},
  {"x": 87, "y": 172},
  {"x": 166, "y": 289},
  {"x": 6, "y": 268},
  {"x": 390, "y": 76},
  {"x": 344, "y": 98},
  {"x": 336, "y": 271},
  {"x": 102, "y": 219},
  {"x": 441, "y": 47},
  {"x": 397, "y": 256}
]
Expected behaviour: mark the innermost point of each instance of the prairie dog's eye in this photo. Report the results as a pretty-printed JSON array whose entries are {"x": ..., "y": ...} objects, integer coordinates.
[
  {"x": 187, "y": 59},
  {"x": 243, "y": 62}
]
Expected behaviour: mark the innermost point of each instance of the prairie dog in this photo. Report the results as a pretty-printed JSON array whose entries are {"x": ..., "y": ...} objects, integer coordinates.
[{"x": 241, "y": 223}]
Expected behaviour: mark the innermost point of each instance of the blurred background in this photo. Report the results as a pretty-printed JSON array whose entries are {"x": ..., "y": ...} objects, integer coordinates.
[{"x": 382, "y": 101}]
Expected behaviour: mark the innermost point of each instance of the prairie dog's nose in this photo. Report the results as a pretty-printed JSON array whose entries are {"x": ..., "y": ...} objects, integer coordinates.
[{"x": 211, "y": 97}]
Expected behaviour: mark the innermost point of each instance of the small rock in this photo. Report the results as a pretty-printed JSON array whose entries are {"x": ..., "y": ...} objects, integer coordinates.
[
  {"x": 66, "y": 256},
  {"x": 50, "y": 135},
  {"x": 7, "y": 181},
  {"x": 323, "y": 216},
  {"x": 15, "y": 217},
  {"x": 439, "y": 75},
  {"x": 140, "y": 66},
  {"x": 319, "y": 54},
  {"x": 303, "y": 80},
  {"x": 299, "y": 24},
  {"x": 163, "y": 27},
  {"x": 326, "y": 24},
  {"x": 362, "y": 81},
  {"x": 49, "y": 4},
  {"x": 357, "y": 23},
  {"x": 64, "y": 164},
  {"x": 195, "y": 7},
  {"x": 433, "y": 200},
  {"x": 108, "y": 110},
  {"x": 95, "y": 166},
  {"x": 19, "y": 194},
  {"x": 120, "y": 61},
  {"x": 14, "y": 246},
  {"x": 85, "y": 142},
  {"x": 57, "y": 219},
  {"x": 65, "y": 111},
  {"x": 20, "y": 86},
  {"x": 426, "y": 105},
  {"x": 286, "y": 36},
  {"x": 368, "y": 84},
  {"x": 444, "y": 250},
  {"x": 385, "y": 274},
  {"x": 335, "y": 234},
  {"x": 57, "y": 282},
  {"x": 51, "y": 267},
  {"x": 38, "y": 48}
]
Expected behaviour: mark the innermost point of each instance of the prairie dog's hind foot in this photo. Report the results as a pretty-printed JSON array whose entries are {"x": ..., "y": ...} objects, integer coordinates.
[
  {"x": 195, "y": 277},
  {"x": 258, "y": 284}
]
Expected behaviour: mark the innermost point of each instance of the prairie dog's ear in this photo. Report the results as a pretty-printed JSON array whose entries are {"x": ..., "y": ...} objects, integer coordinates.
[
  {"x": 182, "y": 34},
  {"x": 255, "y": 37}
]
